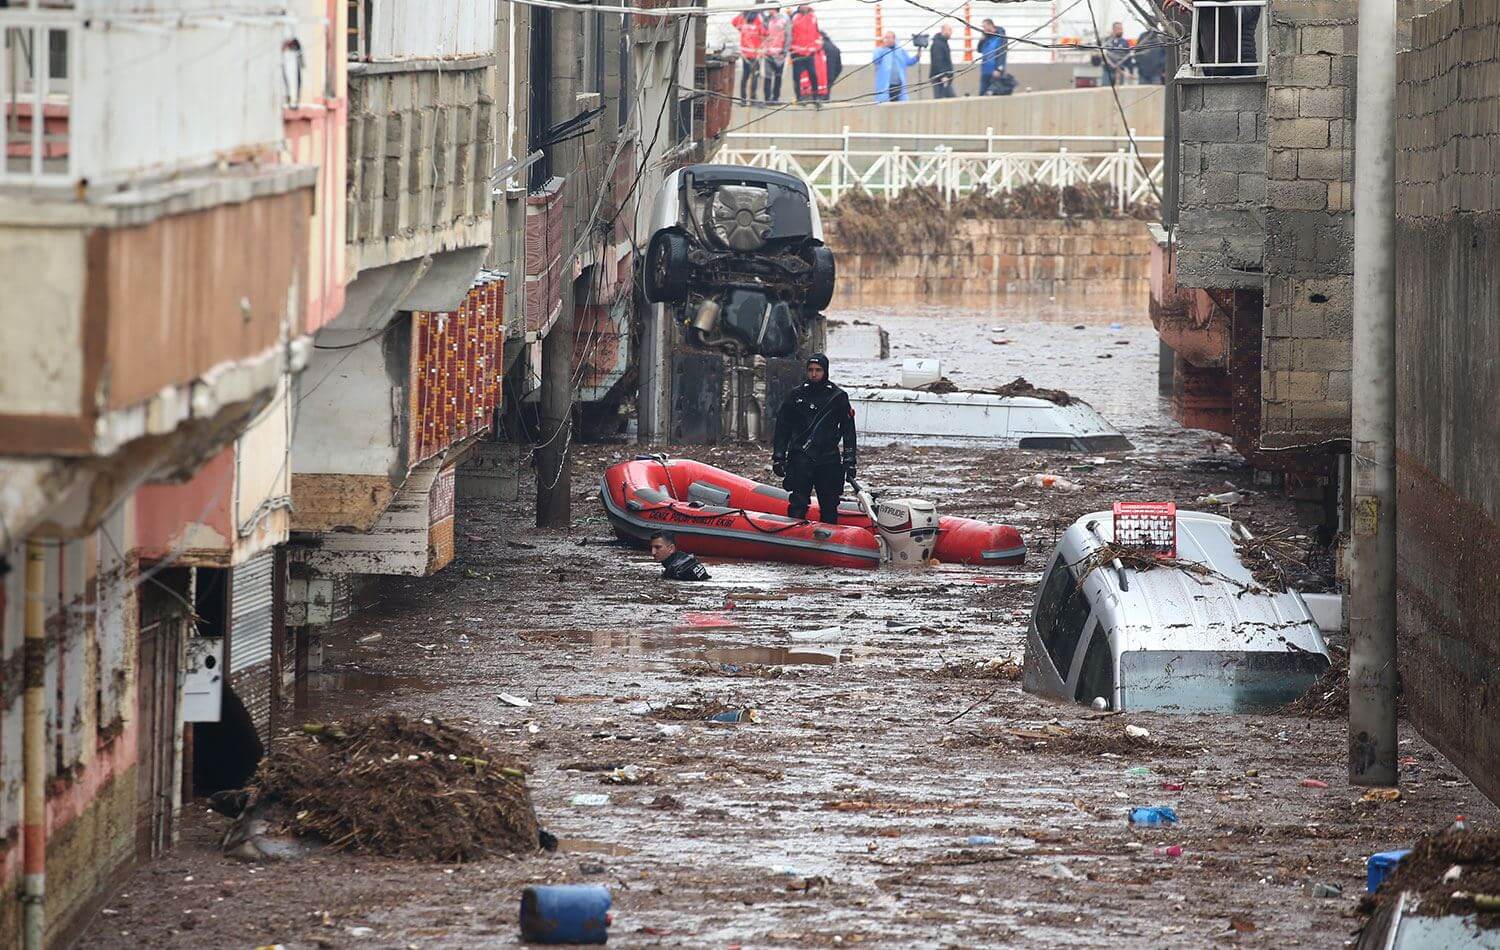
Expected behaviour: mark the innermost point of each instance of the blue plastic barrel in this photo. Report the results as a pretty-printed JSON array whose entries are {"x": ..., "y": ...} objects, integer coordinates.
[
  {"x": 1379, "y": 867},
  {"x": 565, "y": 913}
]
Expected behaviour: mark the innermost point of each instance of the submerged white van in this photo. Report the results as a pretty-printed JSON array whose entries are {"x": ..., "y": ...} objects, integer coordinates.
[{"x": 1166, "y": 638}]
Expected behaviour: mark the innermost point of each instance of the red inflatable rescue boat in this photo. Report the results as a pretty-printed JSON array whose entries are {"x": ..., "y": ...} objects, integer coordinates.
[{"x": 719, "y": 514}]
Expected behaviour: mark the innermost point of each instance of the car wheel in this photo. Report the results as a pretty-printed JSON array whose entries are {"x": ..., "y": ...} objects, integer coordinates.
[
  {"x": 666, "y": 272},
  {"x": 820, "y": 289}
]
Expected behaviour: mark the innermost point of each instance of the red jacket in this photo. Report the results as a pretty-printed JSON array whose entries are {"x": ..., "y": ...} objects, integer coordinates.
[
  {"x": 806, "y": 37},
  {"x": 752, "y": 31}
]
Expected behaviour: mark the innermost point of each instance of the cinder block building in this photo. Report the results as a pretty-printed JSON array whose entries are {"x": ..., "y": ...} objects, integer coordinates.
[{"x": 1448, "y": 395}]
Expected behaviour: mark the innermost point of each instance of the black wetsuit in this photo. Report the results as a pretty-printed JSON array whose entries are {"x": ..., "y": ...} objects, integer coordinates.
[
  {"x": 682, "y": 566},
  {"x": 812, "y": 421}
]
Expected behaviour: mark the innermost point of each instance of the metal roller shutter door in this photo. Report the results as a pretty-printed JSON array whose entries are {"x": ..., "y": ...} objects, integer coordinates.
[{"x": 250, "y": 614}]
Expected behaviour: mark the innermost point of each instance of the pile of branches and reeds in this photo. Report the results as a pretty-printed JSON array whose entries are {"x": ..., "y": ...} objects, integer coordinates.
[{"x": 397, "y": 787}]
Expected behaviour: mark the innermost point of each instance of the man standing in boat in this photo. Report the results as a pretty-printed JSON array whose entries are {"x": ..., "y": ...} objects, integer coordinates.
[{"x": 814, "y": 418}]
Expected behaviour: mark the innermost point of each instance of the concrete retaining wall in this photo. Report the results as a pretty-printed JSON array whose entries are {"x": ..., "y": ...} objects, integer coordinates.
[
  {"x": 989, "y": 258},
  {"x": 1448, "y": 393}
]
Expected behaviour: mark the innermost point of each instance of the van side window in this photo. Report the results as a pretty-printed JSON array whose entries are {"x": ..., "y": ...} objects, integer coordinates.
[
  {"x": 1054, "y": 594},
  {"x": 1062, "y": 639},
  {"x": 1097, "y": 676}
]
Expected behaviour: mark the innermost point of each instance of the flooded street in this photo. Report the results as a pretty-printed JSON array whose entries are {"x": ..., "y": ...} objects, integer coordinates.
[{"x": 889, "y": 726}]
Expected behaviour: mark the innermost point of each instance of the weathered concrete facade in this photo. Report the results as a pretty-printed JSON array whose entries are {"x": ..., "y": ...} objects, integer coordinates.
[
  {"x": 1448, "y": 326},
  {"x": 421, "y": 148}
]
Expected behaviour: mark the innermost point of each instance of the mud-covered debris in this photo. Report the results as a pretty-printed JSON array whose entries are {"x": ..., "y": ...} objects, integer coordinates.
[
  {"x": 941, "y": 386},
  {"x": 1020, "y": 387},
  {"x": 1328, "y": 697},
  {"x": 406, "y": 788},
  {"x": 1427, "y": 872},
  {"x": 994, "y": 668},
  {"x": 1274, "y": 559}
]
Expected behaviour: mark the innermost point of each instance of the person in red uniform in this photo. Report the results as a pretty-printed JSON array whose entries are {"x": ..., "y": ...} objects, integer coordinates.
[
  {"x": 806, "y": 40},
  {"x": 752, "y": 31}
]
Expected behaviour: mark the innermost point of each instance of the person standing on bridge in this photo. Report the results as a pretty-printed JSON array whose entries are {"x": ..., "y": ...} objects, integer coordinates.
[
  {"x": 773, "y": 51},
  {"x": 812, "y": 421},
  {"x": 752, "y": 32},
  {"x": 991, "y": 58},
  {"x": 940, "y": 64},
  {"x": 1116, "y": 55},
  {"x": 835, "y": 63},
  {"x": 890, "y": 69},
  {"x": 806, "y": 38}
]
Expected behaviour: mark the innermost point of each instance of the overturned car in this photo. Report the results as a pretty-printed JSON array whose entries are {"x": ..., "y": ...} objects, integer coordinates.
[{"x": 737, "y": 257}]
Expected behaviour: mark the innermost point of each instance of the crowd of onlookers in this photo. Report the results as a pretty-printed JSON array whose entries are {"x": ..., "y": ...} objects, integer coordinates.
[{"x": 768, "y": 39}]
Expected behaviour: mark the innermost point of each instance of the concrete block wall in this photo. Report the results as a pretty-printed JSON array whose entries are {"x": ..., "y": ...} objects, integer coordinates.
[
  {"x": 421, "y": 148},
  {"x": 1221, "y": 218},
  {"x": 1448, "y": 393},
  {"x": 1306, "y": 349}
]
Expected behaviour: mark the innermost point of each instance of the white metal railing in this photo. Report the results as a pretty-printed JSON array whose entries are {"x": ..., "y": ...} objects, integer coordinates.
[
  {"x": 103, "y": 95},
  {"x": 35, "y": 56},
  {"x": 1218, "y": 21},
  {"x": 833, "y": 173}
]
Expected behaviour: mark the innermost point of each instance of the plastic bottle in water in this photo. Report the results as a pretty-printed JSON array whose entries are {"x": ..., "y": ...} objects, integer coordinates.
[{"x": 1153, "y": 815}]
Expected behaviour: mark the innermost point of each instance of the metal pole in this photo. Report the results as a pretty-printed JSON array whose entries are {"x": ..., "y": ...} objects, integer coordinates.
[
  {"x": 1372, "y": 564},
  {"x": 34, "y": 752}
]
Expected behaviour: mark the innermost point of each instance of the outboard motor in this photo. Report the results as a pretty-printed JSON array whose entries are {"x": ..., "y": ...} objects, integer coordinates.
[{"x": 907, "y": 527}]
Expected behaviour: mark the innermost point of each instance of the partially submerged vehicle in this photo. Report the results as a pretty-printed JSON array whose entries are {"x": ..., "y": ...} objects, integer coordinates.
[
  {"x": 1192, "y": 633},
  {"x": 938, "y": 418},
  {"x": 737, "y": 256},
  {"x": 719, "y": 514}
]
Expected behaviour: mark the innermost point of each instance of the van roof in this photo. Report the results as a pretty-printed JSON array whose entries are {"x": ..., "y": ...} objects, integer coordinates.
[{"x": 1168, "y": 608}]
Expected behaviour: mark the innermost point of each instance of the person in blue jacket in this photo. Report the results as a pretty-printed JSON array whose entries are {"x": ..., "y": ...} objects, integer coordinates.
[
  {"x": 991, "y": 58},
  {"x": 891, "y": 62}
]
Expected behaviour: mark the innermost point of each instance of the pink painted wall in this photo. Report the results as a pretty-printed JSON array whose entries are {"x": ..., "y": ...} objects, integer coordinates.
[{"x": 191, "y": 512}]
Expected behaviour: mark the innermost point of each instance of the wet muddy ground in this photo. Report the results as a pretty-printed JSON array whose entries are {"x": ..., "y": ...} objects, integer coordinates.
[{"x": 886, "y": 732}]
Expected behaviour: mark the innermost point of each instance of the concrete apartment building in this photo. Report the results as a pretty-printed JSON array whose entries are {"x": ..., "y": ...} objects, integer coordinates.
[
  {"x": 146, "y": 151},
  {"x": 284, "y": 268}
]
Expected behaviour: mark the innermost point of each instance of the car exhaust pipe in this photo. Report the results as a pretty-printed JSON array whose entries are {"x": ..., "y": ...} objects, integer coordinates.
[{"x": 707, "y": 318}]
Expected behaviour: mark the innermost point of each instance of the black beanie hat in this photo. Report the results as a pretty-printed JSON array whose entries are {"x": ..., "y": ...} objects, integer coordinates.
[{"x": 821, "y": 360}]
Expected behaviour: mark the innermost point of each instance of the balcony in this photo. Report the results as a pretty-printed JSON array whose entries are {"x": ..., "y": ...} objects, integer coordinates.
[
  {"x": 384, "y": 31},
  {"x": 97, "y": 95}
]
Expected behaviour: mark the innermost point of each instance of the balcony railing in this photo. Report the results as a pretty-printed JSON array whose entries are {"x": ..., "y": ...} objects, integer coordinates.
[
  {"x": 396, "y": 30},
  {"x": 94, "y": 95},
  {"x": 1229, "y": 38}
]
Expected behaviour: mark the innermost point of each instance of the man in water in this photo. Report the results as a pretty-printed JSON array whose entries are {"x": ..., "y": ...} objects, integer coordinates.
[
  {"x": 676, "y": 565},
  {"x": 813, "y": 419}
]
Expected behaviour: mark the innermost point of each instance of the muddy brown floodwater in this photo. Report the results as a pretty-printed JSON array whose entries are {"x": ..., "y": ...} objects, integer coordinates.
[{"x": 884, "y": 740}]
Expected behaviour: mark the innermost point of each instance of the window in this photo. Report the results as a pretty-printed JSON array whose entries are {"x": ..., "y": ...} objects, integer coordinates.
[
  {"x": 1062, "y": 639},
  {"x": 1054, "y": 594},
  {"x": 1097, "y": 677}
]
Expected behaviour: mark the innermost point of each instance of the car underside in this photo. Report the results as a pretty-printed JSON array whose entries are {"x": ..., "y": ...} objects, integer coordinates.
[{"x": 737, "y": 257}]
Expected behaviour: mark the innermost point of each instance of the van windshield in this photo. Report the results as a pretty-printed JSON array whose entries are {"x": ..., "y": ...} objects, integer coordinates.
[{"x": 1215, "y": 680}]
